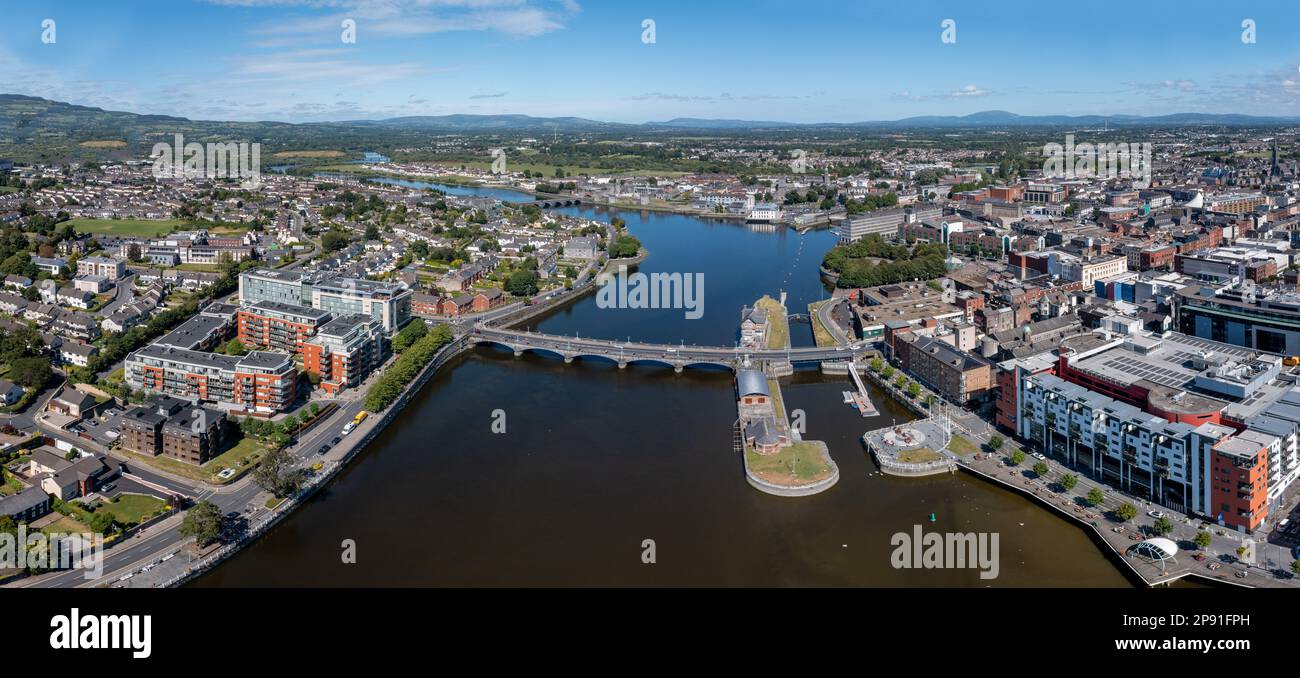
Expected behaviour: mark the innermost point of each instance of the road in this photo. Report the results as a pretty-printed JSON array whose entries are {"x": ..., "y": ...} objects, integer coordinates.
[{"x": 242, "y": 496}]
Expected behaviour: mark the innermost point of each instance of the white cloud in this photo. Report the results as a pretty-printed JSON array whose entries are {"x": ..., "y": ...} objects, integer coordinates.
[{"x": 970, "y": 91}]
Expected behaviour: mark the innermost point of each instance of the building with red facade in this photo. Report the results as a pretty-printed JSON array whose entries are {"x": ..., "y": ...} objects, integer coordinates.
[
  {"x": 1239, "y": 479},
  {"x": 345, "y": 351},
  {"x": 259, "y": 382},
  {"x": 278, "y": 326}
]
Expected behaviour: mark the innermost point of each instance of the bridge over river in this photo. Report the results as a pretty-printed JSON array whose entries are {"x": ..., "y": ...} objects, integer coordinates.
[{"x": 676, "y": 356}]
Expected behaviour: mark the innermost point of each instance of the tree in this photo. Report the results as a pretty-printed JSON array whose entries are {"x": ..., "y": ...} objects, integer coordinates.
[
  {"x": 1295, "y": 566},
  {"x": 995, "y": 442},
  {"x": 1095, "y": 496},
  {"x": 1126, "y": 512},
  {"x": 1017, "y": 457},
  {"x": 876, "y": 364},
  {"x": 101, "y": 522},
  {"x": 409, "y": 334},
  {"x": 1202, "y": 539},
  {"x": 235, "y": 347},
  {"x": 1040, "y": 469},
  {"x": 624, "y": 246},
  {"x": 277, "y": 475},
  {"x": 30, "y": 372},
  {"x": 203, "y": 522},
  {"x": 1162, "y": 526},
  {"x": 1069, "y": 480},
  {"x": 522, "y": 283}
]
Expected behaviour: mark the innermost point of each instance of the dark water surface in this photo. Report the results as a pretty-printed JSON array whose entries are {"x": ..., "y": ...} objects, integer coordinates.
[{"x": 595, "y": 460}]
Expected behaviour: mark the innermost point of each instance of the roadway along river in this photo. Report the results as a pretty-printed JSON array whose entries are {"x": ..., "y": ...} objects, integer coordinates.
[{"x": 595, "y": 460}]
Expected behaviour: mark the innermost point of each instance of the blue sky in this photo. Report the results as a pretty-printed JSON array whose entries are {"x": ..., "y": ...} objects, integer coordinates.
[{"x": 804, "y": 61}]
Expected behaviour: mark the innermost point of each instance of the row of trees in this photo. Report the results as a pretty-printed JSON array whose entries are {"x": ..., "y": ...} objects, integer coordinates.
[{"x": 406, "y": 367}]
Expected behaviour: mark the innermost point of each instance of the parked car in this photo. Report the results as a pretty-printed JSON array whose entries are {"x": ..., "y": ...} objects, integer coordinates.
[{"x": 108, "y": 488}]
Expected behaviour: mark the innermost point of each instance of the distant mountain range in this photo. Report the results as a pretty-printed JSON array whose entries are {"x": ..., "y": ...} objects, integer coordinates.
[{"x": 32, "y": 128}]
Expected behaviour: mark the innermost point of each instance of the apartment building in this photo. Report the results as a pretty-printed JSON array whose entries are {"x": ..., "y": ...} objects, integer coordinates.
[
  {"x": 108, "y": 267},
  {"x": 389, "y": 303},
  {"x": 956, "y": 375},
  {"x": 345, "y": 351},
  {"x": 279, "y": 326},
  {"x": 258, "y": 382},
  {"x": 174, "y": 428},
  {"x": 1212, "y": 470}
]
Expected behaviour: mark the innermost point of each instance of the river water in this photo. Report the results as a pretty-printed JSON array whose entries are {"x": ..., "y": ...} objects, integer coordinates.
[{"x": 596, "y": 460}]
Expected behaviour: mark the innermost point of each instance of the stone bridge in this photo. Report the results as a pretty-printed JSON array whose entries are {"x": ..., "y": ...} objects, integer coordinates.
[
  {"x": 548, "y": 203},
  {"x": 676, "y": 356}
]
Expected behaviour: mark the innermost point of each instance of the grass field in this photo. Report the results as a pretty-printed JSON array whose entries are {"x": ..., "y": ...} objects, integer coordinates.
[
  {"x": 918, "y": 455},
  {"x": 961, "y": 446},
  {"x": 130, "y": 509},
  {"x": 798, "y": 464},
  {"x": 65, "y": 524},
  {"x": 126, "y": 228},
  {"x": 309, "y": 154},
  {"x": 778, "y": 333},
  {"x": 246, "y": 449},
  {"x": 103, "y": 144},
  {"x": 144, "y": 228},
  {"x": 778, "y": 406}
]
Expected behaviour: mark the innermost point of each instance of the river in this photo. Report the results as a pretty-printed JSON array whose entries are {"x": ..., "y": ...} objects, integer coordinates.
[{"x": 596, "y": 460}]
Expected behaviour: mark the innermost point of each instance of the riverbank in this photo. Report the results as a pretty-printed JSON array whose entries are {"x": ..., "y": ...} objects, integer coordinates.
[{"x": 1113, "y": 545}]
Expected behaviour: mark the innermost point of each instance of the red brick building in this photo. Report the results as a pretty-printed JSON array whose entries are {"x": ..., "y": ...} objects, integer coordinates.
[{"x": 279, "y": 326}]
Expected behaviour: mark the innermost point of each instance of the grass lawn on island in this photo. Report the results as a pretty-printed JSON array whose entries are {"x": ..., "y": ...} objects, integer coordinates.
[
  {"x": 775, "y": 389},
  {"x": 961, "y": 446},
  {"x": 919, "y": 455},
  {"x": 778, "y": 333},
  {"x": 798, "y": 464}
]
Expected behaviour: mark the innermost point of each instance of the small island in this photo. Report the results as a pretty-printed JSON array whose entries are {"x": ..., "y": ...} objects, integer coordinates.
[{"x": 776, "y": 460}]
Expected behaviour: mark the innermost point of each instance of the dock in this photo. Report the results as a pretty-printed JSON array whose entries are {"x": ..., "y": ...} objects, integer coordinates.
[{"x": 859, "y": 399}]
